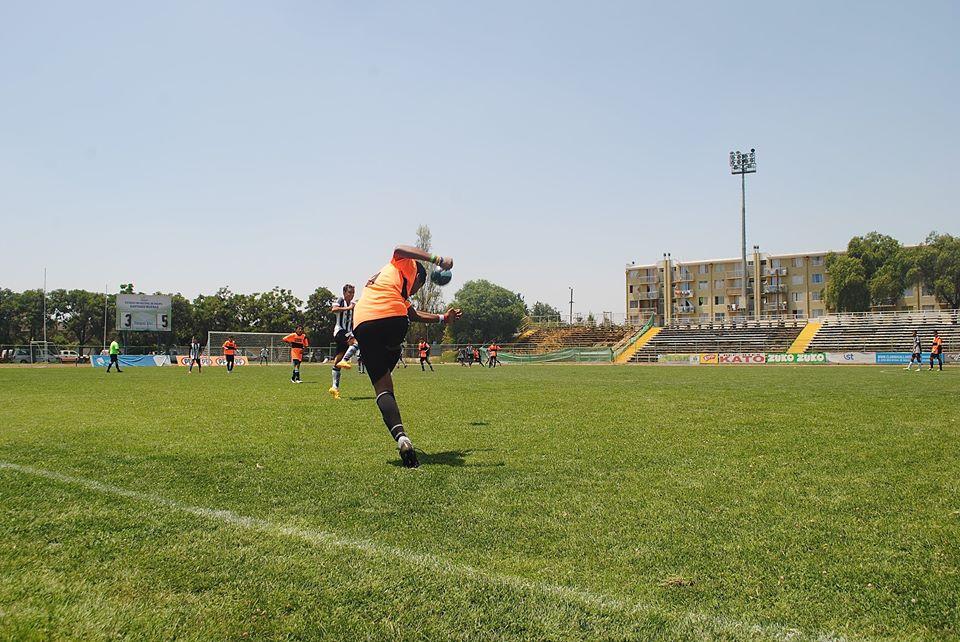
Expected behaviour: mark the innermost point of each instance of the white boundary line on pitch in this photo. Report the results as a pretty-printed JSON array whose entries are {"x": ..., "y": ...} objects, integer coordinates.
[{"x": 326, "y": 539}]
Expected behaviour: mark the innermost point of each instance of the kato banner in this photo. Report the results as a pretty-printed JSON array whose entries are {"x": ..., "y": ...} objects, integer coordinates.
[
  {"x": 135, "y": 360},
  {"x": 214, "y": 361},
  {"x": 789, "y": 357},
  {"x": 742, "y": 358}
]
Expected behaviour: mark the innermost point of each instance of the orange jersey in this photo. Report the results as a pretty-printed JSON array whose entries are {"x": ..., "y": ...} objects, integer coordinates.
[
  {"x": 387, "y": 295},
  {"x": 297, "y": 343},
  {"x": 937, "y": 345},
  {"x": 422, "y": 346},
  {"x": 229, "y": 347},
  {"x": 493, "y": 349}
]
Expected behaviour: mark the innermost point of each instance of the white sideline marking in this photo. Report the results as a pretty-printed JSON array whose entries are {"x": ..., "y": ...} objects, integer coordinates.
[{"x": 327, "y": 539}]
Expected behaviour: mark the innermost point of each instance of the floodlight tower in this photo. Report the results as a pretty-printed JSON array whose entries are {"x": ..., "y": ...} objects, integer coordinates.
[{"x": 743, "y": 163}]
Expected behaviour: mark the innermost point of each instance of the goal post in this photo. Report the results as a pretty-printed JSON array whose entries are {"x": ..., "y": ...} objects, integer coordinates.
[{"x": 251, "y": 344}]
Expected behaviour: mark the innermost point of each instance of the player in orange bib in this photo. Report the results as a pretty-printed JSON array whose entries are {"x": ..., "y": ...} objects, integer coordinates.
[
  {"x": 298, "y": 341},
  {"x": 423, "y": 349},
  {"x": 229, "y": 350},
  {"x": 380, "y": 322},
  {"x": 492, "y": 351},
  {"x": 936, "y": 351}
]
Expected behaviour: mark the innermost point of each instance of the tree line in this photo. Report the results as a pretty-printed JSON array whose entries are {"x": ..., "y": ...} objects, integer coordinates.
[
  {"x": 877, "y": 269},
  {"x": 76, "y": 317}
]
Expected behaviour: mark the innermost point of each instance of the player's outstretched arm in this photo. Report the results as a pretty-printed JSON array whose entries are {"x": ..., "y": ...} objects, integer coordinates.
[
  {"x": 409, "y": 252},
  {"x": 450, "y": 316}
]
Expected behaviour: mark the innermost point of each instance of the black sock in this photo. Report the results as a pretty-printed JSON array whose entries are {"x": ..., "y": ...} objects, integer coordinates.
[{"x": 391, "y": 414}]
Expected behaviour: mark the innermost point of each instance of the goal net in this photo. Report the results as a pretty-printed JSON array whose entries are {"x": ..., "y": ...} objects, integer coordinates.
[{"x": 268, "y": 347}]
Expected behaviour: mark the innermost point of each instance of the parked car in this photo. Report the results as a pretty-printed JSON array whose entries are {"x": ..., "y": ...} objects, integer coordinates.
[
  {"x": 72, "y": 356},
  {"x": 25, "y": 355}
]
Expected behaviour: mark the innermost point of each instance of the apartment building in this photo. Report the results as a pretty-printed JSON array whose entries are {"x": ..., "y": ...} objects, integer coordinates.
[{"x": 778, "y": 285}]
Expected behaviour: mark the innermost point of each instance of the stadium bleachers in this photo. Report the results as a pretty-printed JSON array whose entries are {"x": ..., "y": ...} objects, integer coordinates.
[
  {"x": 886, "y": 332},
  {"x": 550, "y": 338},
  {"x": 751, "y": 337}
]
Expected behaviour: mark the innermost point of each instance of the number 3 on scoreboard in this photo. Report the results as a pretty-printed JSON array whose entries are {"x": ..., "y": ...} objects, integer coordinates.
[
  {"x": 163, "y": 322},
  {"x": 127, "y": 320}
]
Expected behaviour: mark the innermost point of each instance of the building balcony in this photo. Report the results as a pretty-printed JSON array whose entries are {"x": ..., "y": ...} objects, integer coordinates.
[
  {"x": 774, "y": 289},
  {"x": 782, "y": 271},
  {"x": 683, "y": 294}
]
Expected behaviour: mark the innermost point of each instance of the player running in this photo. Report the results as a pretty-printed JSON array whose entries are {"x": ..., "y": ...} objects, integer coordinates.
[
  {"x": 298, "y": 341},
  {"x": 476, "y": 356},
  {"x": 381, "y": 318},
  {"x": 423, "y": 349},
  {"x": 936, "y": 351},
  {"x": 492, "y": 360},
  {"x": 343, "y": 336},
  {"x": 229, "y": 350},
  {"x": 195, "y": 351}
]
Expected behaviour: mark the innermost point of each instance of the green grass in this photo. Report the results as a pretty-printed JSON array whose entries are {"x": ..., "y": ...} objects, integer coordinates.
[{"x": 554, "y": 502}]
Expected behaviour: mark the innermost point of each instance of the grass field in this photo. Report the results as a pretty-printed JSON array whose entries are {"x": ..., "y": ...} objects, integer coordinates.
[{"x": 553, "y": 502}]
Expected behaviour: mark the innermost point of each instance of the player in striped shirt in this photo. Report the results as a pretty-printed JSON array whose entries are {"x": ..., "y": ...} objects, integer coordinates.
[
  {"x": 343, "y": 336},
  {"x": 195, "y": 351},
  {"x": 916, "y": 355}
]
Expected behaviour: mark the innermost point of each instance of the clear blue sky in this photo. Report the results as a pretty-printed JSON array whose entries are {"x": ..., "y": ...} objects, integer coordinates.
[{"x": 188, "y": 145}]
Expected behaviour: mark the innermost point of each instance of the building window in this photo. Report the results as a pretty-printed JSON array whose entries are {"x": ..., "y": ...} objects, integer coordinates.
[
  {"x": 815, "y": 295},
  {"x": 927, "y": 291},
  {"x": 816, "y": 260},
  {"x": 798, "y": 262},
  {"x": 631, "y": 289},
  {"x": 908, "y": 292},
  {"x": 718, "y": 316},
  {"x": 817, "y": 313},
  {"x": 775, "y": 263},
  {"x": 719, "y": 268},
  {"x": 634, "y": 304},
  {"x": 702, "y": 285},
  {"x": 816, "y": 277},
  {"x": 718, "y": 284},
  {"x": 701, "y": 300},
  {"x": 796, "y": 297},
  {"x": 718, "y": 300},
  {"x": 796, "y": 279},
  {"x": 703, "y": 268}
]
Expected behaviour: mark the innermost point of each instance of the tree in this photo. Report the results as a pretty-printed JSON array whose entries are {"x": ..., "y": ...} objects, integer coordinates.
[
  {"x": 938, "y": 263},
  {"x": 430, "y": 297},
  {"x": 890, "y": 280},
  {"x": 544, "y": 312},
  {"x": 847, "y": 289},
  {"x": 873, "y": 250},
  {"x": 275, "y": 311},
  {"x": 490, "y": 312},
  {"x": 182, "y": 328},
  {"x": 212, "y": 312},
  {"x": 318, "y": 320},
  {"x": 8, "y": 316},
  {"x": 78, "y": 312}
]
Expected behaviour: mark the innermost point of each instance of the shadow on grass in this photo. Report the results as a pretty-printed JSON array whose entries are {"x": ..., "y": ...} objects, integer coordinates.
[
  {"x": 456, "y": 458},
  {"x": 361, "y": 398},
  {"x": 479, "y": 423}
]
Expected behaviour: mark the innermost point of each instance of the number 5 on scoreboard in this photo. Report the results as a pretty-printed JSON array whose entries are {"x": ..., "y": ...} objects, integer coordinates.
[{"x": 163, "y": 322}]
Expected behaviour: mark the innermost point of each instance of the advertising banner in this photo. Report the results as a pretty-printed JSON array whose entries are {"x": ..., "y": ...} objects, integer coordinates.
[
  {"x": 215, "y": 361},
  {"x": 709, "y": 359},
  {"x": 897, "y": 358},
  {"x": 679, "y": 359},
  {"x": 807, "y": 357},
  {"x": 742, "y": 358},
  {"x": 852, "y": 358},
  {"x": 135, "y": 360}
]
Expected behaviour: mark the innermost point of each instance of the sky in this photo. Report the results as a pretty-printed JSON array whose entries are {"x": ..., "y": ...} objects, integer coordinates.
[{"x": 184, "y": 146}]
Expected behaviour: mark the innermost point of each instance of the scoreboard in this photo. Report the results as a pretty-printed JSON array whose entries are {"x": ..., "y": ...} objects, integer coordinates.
[{"x": 143, "y": 313}]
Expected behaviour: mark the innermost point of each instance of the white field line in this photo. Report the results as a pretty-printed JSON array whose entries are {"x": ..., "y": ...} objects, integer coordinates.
[{"x": 326, "y": 539}]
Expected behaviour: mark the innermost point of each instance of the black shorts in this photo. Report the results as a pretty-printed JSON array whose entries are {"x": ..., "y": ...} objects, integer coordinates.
[
  {"x": 229, "y": 358},
  {"x": 114, "y": 358},
  {"x": 341, "y": 340},
  {"x": 381, "y": 342},
  {"x": 917, "y": 356}
]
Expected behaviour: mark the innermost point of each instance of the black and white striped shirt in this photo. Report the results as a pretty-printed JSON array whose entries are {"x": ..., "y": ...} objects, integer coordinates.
[{"x": 344, "y": 318}]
